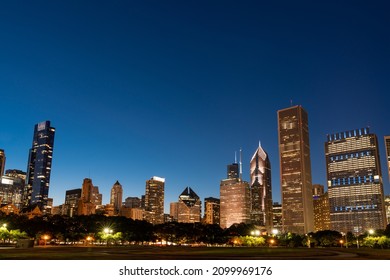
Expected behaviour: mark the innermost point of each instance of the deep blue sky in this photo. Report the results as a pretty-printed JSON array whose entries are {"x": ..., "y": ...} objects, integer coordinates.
[{"x": 137, "y": 89}]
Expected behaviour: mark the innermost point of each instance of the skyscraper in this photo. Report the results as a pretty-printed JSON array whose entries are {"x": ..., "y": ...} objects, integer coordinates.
[
  {"x": 295, "y": 170},
  {"x": 387, "y": 144},
  {"x": 116, "y": 197},
  {"x": 212, "y": 209},
  {"x": 189, "y": 207},
  {"x": 86, "y": 205},
  {"x": 354, "y": 181},
  {"x": 39, "y": 166},
  {"x": 261, "y": 189},
  {"x": 72, "y": 198},
  {"x": 154, "y": 200},
  {"x": 321, "y": 208},
  {"x": 2, "y": 162},
  {"x": 235, "y": 201}
]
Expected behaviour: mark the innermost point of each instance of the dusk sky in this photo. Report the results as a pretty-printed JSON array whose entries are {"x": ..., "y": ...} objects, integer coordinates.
[{"x": 137, "y": 89}]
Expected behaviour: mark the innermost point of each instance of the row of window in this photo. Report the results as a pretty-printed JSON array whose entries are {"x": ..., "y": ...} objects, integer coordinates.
[
  {"x": 351, "y": 155},
  {"x": 355, "y": 208},
  {"x": 348, "y": 134},
  {"x": 354, "y": 180}
]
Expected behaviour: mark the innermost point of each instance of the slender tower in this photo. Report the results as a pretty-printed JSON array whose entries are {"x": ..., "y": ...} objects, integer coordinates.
[
  {"x": 261, "y": 189},
  {"x": 39, "y": 166}
]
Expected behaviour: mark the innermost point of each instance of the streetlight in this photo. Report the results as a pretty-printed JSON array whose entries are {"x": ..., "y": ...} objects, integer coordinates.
[
  {"x": 255, "y": 232},
  {"x": 4, "y": 226},
  {"x": 275, "y": 231},
  {"x": 45, "y": 238},
  {"x": 341, "y": 243},
  {"x": 371, "y": 231}
]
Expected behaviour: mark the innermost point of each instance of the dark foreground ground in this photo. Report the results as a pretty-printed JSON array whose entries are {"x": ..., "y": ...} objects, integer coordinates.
[{"x": 190, "y": 253}]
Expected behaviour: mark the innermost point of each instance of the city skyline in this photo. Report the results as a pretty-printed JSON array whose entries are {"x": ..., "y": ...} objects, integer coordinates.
[{"x": 134, "y": 95}]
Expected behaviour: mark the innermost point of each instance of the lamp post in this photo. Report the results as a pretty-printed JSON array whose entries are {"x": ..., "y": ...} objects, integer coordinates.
[
  {"x": 108, "y": 232},
  {"x": 45, "y": 238}
]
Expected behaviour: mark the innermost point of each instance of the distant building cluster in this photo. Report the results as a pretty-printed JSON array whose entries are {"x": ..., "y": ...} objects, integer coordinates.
[{"x": 353, "y": 200}]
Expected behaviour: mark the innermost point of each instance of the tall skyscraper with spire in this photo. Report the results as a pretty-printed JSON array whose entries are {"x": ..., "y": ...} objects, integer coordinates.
[
  {"x": 116, "y": 197},
  {"x": 355, "y": 184},
  {"x": 261, "y": 189},
  {"x": 295, "y": 170},
  {"x": 39, "y": 166}
]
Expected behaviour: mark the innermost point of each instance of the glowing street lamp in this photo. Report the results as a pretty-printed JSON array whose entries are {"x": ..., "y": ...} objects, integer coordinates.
[
  {"x": 341, "y": 243},
  {"x": 255, "y": 232},
  {"x": 371, "y": 231},
  {"x": 45, "y": 238},
  {"x": 4, "y": 226},
  {"x": 275, "y": 231}
]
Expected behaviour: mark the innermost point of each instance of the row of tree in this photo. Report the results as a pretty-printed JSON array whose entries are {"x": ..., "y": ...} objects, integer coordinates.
[{"x": 123, "y": 230}]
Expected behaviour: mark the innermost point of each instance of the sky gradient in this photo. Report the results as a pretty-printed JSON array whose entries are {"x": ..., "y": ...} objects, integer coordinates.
[{"x": 137, "y": 89}]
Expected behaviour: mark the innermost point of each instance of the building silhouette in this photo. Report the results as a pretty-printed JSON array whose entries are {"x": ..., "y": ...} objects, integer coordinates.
[
  {"x": 174, "y": 211},
  {"x": 154, "y": 200},
  {"x": 2, "y": 162},
  {"x": 235, "y": 201},
  {"x": 212, "y": 208},
  {"x": 189, "y": 207},
  {"x": 387, "y": 148},
  {"x": 295, "y": 170},
  {"x": 116, "y": 197},
  {"x": 354, "y": 181},
  {"x": 261, "y": 190},
  {"x": 39, "y": 166}
]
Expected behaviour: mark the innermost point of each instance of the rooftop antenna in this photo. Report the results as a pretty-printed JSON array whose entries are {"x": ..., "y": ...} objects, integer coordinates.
[
  {"x": 240, "y": 164},
  {"x": 291, "y": 102},
  {"x": 235, "y": 156}
]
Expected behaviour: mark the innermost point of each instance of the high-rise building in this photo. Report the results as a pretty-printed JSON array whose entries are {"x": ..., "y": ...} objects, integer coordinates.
[
  {"x": 387, "y": 146},
  {"x": 72, "y": 198},
  {"x": 11, "y": 190},
  {"x": 97, "y": 197},
  {"x": 295, "y": 170},
  {"x": 116, "y": 197},
  {"x": 189, "y": 207},
  {"x": 2, "y": 162},
  {"x": 261, "y": 190},
  {"x": 277, "y": 216},
  {"x": 154, "y": 200},
  {"x": 387, "y": 208},
  {"x": 174, "y": 211},
  {"x": 321, "y": 208},
  {"x": 86, "y": 205},
  {"x": 233, "y": 171},
  {"x": 354, "y": 181},
  {"x": 212, "y": 207},
  {"x": 235, "y": 201},
  {"x": 133, "y": 202},
  {"x": 39, "y": 166}
]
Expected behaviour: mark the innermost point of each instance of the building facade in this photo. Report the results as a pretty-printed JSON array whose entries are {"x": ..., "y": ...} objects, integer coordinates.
[
  {"x": 116, "y": 197},
  {"x": 295, "y": 170},
  {"x": 212, "y": 208},
  {"x": 321, "y": 208},
  {"x": 354, "y": 182},
  {"x": 189, "y": 207},
  {"x": 86, "y": 205},
  {"x": 70, "y": 207},
  {"x": 39, "y": 166},
  {"x": 261, "y": 190},
  {"x": 387, "y": 148},
  {"x": 154, "y": 200},
  {"x": 235, "y": 202},
  {"x": 133, "y": 202},
  {"x": 277, "y": 216},
  {"x": 2, "y": 162}
]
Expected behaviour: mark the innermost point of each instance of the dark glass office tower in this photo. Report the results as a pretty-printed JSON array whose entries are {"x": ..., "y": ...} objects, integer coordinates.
[
  {"x": 354, "y": 182},
  {"x": 189, "y": 207},
  {"x": 261, "y": 190},
  {"x": 295, "y": 170},
  {"x": 39, "y": 166}
]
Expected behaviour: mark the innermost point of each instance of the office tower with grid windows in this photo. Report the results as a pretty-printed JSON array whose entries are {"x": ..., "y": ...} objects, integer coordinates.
[
  {"x": 295, "y": 170},
  {"x": 354, "y": 181}
]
